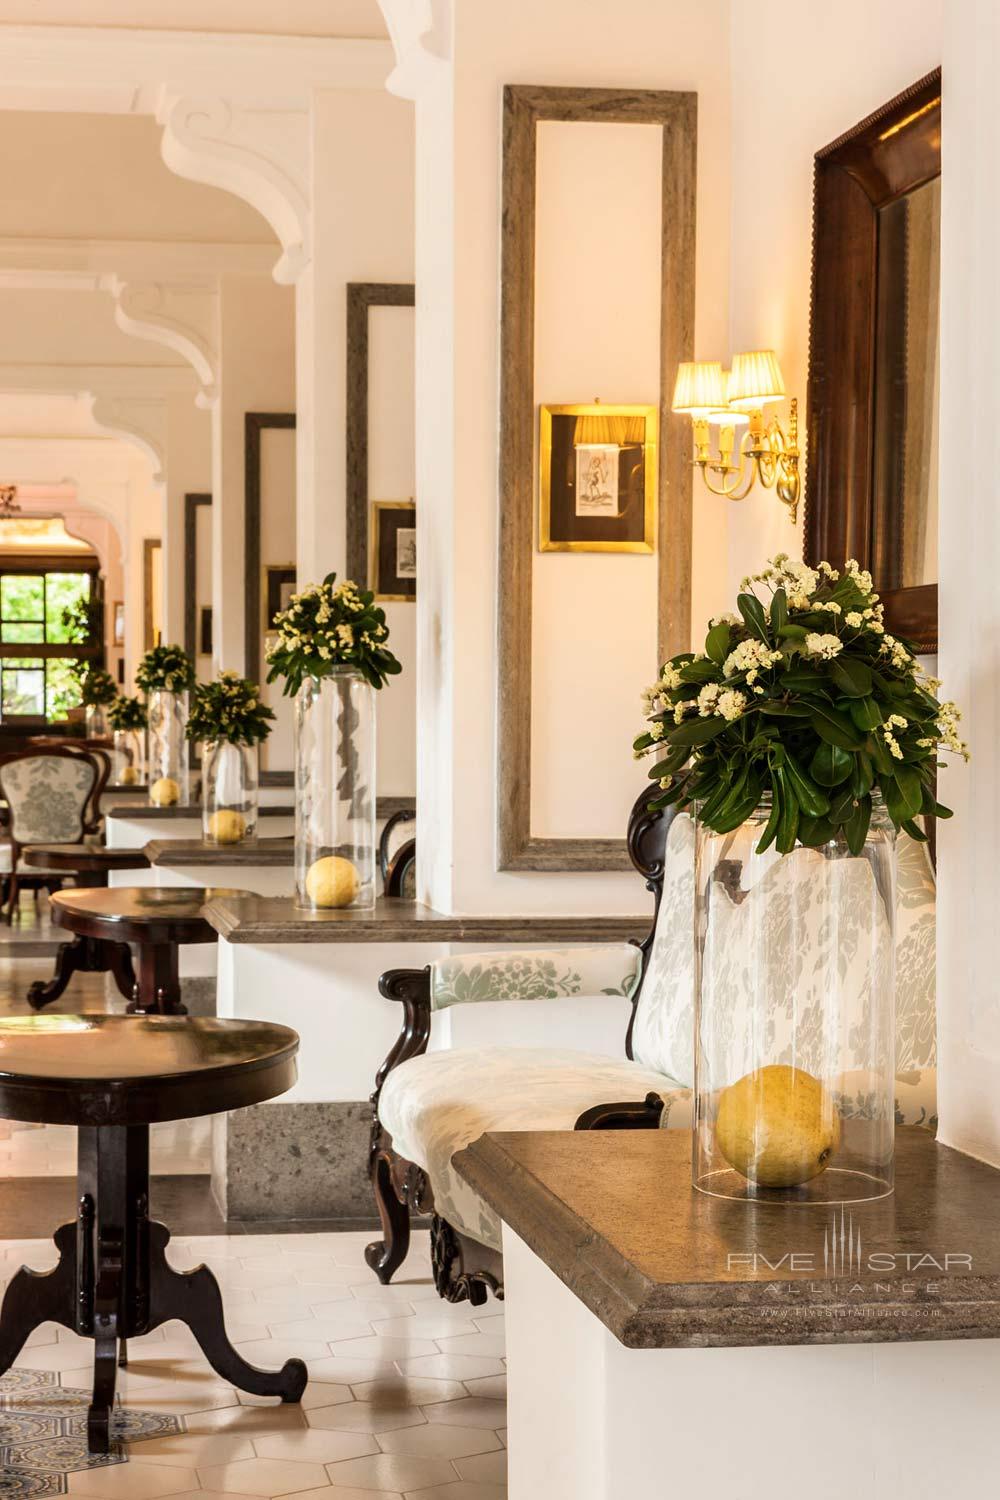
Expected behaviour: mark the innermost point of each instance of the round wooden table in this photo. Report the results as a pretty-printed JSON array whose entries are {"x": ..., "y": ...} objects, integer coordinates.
[
  {"x": 85, "y": 955},
  {"x": 156, "y": 919},
  {"x": 112, "y": 1077}
]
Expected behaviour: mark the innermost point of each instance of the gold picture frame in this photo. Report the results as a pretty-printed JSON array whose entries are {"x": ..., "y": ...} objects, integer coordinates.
[
  {"x": 622, "y": 513},
  {"x": 392, "y": 558}
]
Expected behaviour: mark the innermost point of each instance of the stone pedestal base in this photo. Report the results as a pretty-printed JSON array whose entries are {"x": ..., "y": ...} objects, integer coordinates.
[{"x": 294, "y": 1161}]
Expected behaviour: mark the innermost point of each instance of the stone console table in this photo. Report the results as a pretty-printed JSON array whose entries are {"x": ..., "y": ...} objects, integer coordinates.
[
  {"x": 134, "y": 824},
  {"x": 655, "y": 1334},
  {"x": 305, "y": 1155}
]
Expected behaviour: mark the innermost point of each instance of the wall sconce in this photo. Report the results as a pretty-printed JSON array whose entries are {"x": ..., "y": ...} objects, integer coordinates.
[{"x": 708, "y": 394}]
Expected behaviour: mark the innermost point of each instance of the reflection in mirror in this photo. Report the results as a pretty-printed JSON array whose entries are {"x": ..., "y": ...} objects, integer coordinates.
[{"x": 907, "y": 364}]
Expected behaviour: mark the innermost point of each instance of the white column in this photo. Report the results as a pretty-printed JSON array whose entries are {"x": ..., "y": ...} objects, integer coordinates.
[
  {"x": 969, "y": 599},
  {"x": 361, "y": 230}
]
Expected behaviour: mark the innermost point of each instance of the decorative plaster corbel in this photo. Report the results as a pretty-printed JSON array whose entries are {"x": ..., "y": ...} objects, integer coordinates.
[
  {"x": 420, "y": 32},
  {"x": 182, "y": 318},
  {"x": 142, "y": 423},
  {"x": 261, "y": 155}
]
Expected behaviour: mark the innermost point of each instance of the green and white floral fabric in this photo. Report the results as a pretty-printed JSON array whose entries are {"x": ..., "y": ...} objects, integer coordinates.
[
  {"x": 663, "y": 1036},
  {"x": 47, "y": 795},
  {"x": 601, "y": 969},
  {"x": 434, "y": 1105}
]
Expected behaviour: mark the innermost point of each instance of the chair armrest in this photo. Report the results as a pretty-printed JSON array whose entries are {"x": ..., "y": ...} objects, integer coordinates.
[{"x": 600, "y": 969}]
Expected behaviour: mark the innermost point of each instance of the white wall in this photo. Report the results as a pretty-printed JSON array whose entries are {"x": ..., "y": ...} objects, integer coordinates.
[
  {"x": 969, "y": 543},
  {"x": 818, "y": 82},
  {"x": 644, "y": 44}
]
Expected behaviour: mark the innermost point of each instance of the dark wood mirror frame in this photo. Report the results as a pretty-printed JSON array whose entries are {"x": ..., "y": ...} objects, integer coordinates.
[{"x": 892, "y": 152}]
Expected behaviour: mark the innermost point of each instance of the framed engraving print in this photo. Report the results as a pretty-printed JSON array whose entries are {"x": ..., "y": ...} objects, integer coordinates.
[
  {"x": 597, "y": 478},
  {"x": 393, "y": 550},
  {"x": 279, "y": 586}
]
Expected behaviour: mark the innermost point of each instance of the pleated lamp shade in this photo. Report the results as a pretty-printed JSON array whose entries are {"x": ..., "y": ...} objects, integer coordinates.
[
  {"x": 699, "y": 388},
  {"x": 755, "y": 379},
  {"x": 602, "y": 431}
]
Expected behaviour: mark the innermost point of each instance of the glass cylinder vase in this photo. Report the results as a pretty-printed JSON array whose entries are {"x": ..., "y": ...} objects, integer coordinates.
[
  {"x": 794, "y": 1016},
  {"x": 230, "y": 779},
  {"x": 335, "y": 791},
  {"x": 96, "y": 717},
  {"x": 127, "y": 757},
  {"x": 167, "y": 715}
]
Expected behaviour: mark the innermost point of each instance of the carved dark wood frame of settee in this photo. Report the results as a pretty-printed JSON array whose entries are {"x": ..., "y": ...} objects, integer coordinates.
[{"x": 463, "y": 1268}]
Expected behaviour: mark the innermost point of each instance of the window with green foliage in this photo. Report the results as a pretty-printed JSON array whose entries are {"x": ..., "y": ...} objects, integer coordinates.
[{"x": 32, "y": 609}]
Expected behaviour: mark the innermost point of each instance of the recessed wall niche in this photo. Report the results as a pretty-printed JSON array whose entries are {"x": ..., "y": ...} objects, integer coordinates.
[{"x": 597, "y": 304}]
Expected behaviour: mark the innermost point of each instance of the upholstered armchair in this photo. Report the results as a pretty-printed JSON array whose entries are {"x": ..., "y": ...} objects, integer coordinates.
[
  {"x": 53, "y": 797},
  {"x": 429, "y": 1104}
]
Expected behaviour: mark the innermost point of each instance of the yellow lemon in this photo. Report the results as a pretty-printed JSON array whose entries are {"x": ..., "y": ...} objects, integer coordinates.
[
  {"x": 332, "y": 881},
  {"x": 165, "y": 792},
  {"x": 130, "y": 776},
  {"x": 227, "y": 826},
  {"x": 778, "y": 1126}
]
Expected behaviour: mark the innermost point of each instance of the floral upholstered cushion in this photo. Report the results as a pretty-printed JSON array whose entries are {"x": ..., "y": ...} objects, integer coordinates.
[
  {"x": 601, "y": 969},
  {"x": 663, "y": 1036},
  {"x": 434, "y": 1105},
  {"x": 47, "y": 795}
]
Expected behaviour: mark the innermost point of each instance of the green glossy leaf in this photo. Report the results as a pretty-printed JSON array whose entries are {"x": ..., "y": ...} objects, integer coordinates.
[
  {"x": 863, "y": 776},
  {"x": 833, "y": 727},
  {"x": 702, "y": 670},
  {"x": 752, "y": 611},
  {"x": 908, "y": 782},
  {"x": 815, "y": 831},
  {"x": 779, "y": 610},
  {"x": 865, "y": 713},
  {"x": 779, "y": 710},
  {"x": 915, "y": 831},
  {"x": 853, "y": 677},
  {"x": 813, "y": 802},
  {"x": 770, "y": 833},
  {"x": 788, "y": 820},
  {"x": 793, "y": 632},
  {"x": 856, "y": 827},
  {"x": 697, "y": 731},
  {"x": 717, "y": 642},
  {"x": 801, "y": 681},
  {"x": 841, "y": 805},
  {"x": 831, "y": 765}
]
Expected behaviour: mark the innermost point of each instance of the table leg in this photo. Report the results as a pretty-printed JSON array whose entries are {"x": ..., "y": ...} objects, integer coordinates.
[
  {"x": 158, "y": 986},
  {"x": 85, "y": 955},
  {"x": 35, "y": 1297}
]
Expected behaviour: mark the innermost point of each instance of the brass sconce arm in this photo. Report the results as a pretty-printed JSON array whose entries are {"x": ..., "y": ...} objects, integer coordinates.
[{"x": 772, "y": 456}]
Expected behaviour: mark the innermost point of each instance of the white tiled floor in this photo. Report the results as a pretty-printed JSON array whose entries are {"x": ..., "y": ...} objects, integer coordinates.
[
  {"x": 177, "y": 1148},
  {"x": 405, "y": 1398}
]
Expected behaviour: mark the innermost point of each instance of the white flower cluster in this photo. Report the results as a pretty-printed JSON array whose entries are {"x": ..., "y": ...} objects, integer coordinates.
[
  {"x": 896, "y": 651},
  {"x": 826, "y": 646},
  {"x": 731, "y": 704},
  {"x": 949, "y": 718},
  {"x": 654, "y": 699},
  {"x": 894, "y": 721},
  {"x": 798, "y": 580},
  {"x": 750, "y": 656}
]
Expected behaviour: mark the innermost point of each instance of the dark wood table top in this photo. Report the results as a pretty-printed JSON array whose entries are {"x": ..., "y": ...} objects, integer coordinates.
[
  {"x": 247, "y": 918},
  {"x": 614, "y": 1215},
  {"x": 144, "y": 811},
  {"x": 272, "y": 853},
  {"x": 139, "y": 913},
  {"x": 133, "y": 1070},
  {"x": 84, "y": 859}
]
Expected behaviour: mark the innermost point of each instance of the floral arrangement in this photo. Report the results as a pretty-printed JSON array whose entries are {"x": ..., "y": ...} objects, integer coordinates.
[
  {"x": 229, "y": 709},
  {"x": 806, "y": 696},
  {"x": 167, "y": 667},
  {"x": 97, "y": 687},
  {"x": 127, "y": 713},
  {"x": 329, "y": 625}
]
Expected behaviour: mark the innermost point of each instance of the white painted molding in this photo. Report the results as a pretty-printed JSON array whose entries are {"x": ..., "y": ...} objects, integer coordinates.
[
  {"x": 139, "y": 421},
  {"x": 150, "y": 381},
  {"x": 261, "y": 155},
  {"x": 142, "y": 260},
  {"x": 420, "y": 32},
  {"x": 234, "y": 108},
  {"x": 182, "y": 318}
]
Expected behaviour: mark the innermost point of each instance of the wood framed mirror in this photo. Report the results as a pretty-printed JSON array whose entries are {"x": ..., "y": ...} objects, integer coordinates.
[{"x": 871, "y": 472}]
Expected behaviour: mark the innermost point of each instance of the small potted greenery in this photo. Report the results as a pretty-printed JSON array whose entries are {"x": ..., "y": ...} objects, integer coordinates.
[
  {"x": 127, "y": 717},
  {"x": 228, "y": 717},
  {"x": 331, "y": 650},
  {"x": 97, "y": 691},
  {"x": 166, "y": 676}
]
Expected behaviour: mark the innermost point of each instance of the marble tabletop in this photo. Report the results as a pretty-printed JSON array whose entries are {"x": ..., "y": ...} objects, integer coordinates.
[
  {"x": 614, "y": 1215},
  {"x": 278, "y": 853},
  {"x": 277, "y": 919}
]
